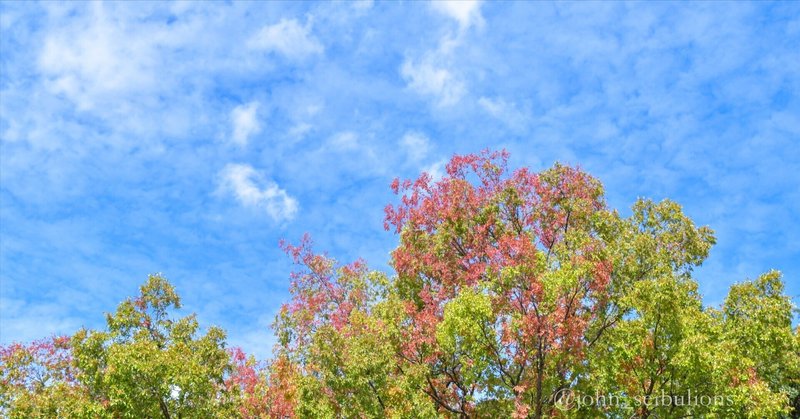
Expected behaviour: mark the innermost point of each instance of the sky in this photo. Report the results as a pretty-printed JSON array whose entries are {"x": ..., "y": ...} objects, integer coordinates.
[{"x": 189, "y": 138}]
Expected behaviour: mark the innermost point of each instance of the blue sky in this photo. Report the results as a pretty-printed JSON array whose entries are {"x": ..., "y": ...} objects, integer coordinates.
[{"x": 189, "y": 138}]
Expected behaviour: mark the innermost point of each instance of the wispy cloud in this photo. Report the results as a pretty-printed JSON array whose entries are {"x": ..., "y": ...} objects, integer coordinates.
[
  {"x": 287, "y": 37},
  {"x": 251, "y": 189},
  {"x": 89, "y": 61},
  {"x": 466, "y": 12},
  {"x": 506, "y": 112},
  {"x": 426, "y": 78},
  {"x": 344, "y": 141},
  {"x": 436, "y": 170},
  {"x": 416, "y": 145},
  {"x": 433, "y": 73},
  {"x": 244, "y": 121}
]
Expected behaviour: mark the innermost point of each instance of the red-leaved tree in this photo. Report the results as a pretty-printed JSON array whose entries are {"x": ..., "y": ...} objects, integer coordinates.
[{"x": 529, "y": 250}]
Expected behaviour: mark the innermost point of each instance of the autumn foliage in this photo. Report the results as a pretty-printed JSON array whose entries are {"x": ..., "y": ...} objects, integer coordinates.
[{"x": 513, "y": 293}]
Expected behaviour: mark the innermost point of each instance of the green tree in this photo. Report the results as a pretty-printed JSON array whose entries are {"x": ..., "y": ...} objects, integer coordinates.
[
  {"x": 757, "y": 328},
  {"x": 149, "y": 364},
  {"x": 146, "y": 364}
]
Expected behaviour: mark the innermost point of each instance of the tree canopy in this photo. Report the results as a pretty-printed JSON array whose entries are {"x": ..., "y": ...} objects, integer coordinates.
[{"x": 514, "y": 294}]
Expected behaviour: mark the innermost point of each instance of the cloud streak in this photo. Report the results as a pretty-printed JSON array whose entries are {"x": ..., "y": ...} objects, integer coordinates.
[
  {"x": 244, "y": 120},
  {"x": 466, "y": 13},
  {"x": 252, "y": 190},
  {"x": 287, "y": 38},
  {"x": 427, "y": 79}
]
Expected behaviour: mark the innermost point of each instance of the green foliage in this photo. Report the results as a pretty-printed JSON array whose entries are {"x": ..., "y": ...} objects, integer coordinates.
[
  {"x": 757, "y": 322},
  {"x": 149, "y": 364},
  {"x": 462, "y": 333},
  {"x": 146, "y": 364}
]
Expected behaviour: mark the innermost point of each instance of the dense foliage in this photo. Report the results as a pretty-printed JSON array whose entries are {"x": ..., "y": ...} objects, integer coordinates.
[{"x": 515, "y": 294}]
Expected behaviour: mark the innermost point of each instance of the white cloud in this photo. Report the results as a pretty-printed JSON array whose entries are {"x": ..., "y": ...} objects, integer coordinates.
[
  {"x": 346, "y": 140},
  {"x": 416, "y": 145},
  {"x": 427, "y": 79},
  {"x": 436, "y": 170},
  {"x": 433, "y": 74},
  {"x": 289, "y": 38},
  {"x": 466, "y": 12},
  {"x": 505, "y": 112},
  {"x": 250, "y": 188},
  {"x": 244, "y": 119},
  {"x": 300, "y": 130},
  {"x": 362, "y": 4},
  {"x": 352, "y": 151},
  {"x": 87, "y": 62}
]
